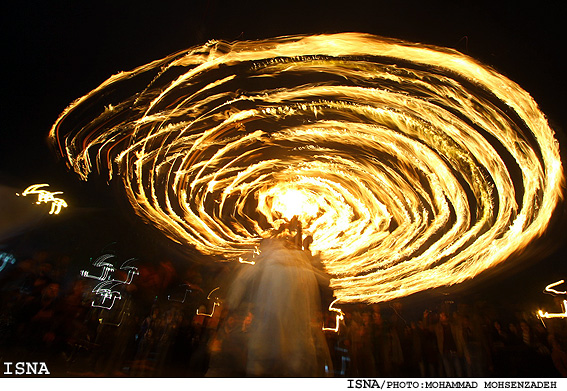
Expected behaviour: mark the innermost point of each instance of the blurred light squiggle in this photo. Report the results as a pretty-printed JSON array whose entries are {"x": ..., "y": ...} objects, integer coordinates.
[
  {"x": 411, "y": 166},
  {"x": 550, "y": 289},
  {"x": 338, "y": 317},
  {"x": 44, "y": 196},
  {"x": 216, "y": 303},
  {"x": 106, "y": 289},
  {"x": 6, "y": 258}
]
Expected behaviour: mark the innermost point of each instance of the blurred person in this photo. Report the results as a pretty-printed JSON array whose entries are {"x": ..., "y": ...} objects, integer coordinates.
[
  {"x": 538, "y": 352},
  {"x": 499, "y": 336},
  {"x": 166, "y": 336},
  {"x": 148, "y": 337},
  {"x": 75, "y": 311},
  {"x": 227, "y": 348},
  {"x": 116, "y": 339},
  {"x": 558, "y": 355},
  {"x": 379, "y": 338},
  {"x": 397, "y": 340},
  {"x": 479, "y": 349},
  {"x": 473, "y": 348},
  {"x": 449, "y": 342},
  {"x": 284, "y": 296},
  {"x": 362, "y": 358},
  {"x": 295, "y": 226},
  {"x": 199, "y": 359},
  {"x": 526, "y": 334},
  {"x": 323, "y": 279},
  {"x": 40, "y": 333},
  {"x": 514, "y": 334},
  {"x": 416, "y": 357},
  {"x": 429, "y": 367}
]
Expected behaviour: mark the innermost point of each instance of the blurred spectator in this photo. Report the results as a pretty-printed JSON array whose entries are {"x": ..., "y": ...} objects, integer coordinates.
[
  {"x": 558, "y": 355},
  {"x": 450, "y": 343},
  {"x": 46, "y": 314},
  {"x": 228, "y": 349}
]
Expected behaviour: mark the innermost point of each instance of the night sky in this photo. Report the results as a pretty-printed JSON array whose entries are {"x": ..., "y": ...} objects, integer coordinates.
[{"x": 54, "y": 52}]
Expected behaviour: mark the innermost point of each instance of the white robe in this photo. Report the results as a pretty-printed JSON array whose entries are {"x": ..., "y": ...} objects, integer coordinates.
[{"x": 285, "y": 338}]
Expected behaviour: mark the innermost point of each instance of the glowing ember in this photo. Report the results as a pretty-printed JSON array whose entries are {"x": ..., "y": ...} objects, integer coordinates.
[{"x": 411, "y": 166}]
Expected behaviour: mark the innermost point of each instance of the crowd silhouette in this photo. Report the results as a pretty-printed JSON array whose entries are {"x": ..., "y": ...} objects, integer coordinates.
[{"x": 164, "y": 325}]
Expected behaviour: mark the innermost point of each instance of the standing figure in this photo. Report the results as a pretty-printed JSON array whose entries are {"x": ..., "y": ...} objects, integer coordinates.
[{"x": 282, "y": 293}]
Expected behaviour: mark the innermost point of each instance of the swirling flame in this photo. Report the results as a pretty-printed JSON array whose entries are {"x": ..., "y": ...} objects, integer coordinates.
[{"x": 411, "y": 166}]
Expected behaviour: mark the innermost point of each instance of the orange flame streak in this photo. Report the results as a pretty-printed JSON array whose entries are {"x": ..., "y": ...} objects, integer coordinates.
[
  {"x": 394, "y": 170},
  {"x": 340, "y": 316}
]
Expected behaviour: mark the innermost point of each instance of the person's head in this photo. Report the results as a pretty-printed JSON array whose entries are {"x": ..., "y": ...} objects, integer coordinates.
[
  {"x": 512, "y": 327},
  {"x": 524, "y": 326},
  {"x": 307, "y": 242},
  {"x": 45, "y": 268},
  {"x": 247, "y": 321},
  {"x": 51, "y": 291},
  {"x": 377, "y": 317},
  {"x": 231, "y": 321}
]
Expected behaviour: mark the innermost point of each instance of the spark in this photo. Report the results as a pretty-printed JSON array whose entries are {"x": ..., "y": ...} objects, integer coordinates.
[
  {"x": 44, "y": 196},
  {"x": 399, "y": 159}
]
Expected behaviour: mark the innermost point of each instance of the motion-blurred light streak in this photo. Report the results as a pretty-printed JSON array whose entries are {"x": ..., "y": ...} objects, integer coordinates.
[
  {"x": 338, "y": 317},
  {"x": 553, "y": 291},
  {"x": 547, "y": 315},
  {"x": 216, "y": 303},
  {"x": 6, "y": 258},
  {"x": 186, "y": 291},
  {"x": 106, "y": 288},
  {"x": 44, "y": 196},
  {"x": 411, "y": 166}
]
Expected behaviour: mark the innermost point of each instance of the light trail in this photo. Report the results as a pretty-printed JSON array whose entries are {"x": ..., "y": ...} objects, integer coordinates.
[
  {"x": 45, "y": 197},
  {"x": 549, "y": 289},
  {"x": 187, "y": 290},
  {"x": 547, "y": 315},
  {"x": 106, "y": 288},
  {"x": 338, "y": 317},
  {"x": 6, "y": 258},
  {"x": 216, "y": 303},
  {"x": 412, "y": 166},
  {"x": 553, "y": 291}
]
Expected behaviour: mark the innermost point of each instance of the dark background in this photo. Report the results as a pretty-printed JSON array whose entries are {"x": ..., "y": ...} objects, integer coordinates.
[{"x": 54, "y": 52}]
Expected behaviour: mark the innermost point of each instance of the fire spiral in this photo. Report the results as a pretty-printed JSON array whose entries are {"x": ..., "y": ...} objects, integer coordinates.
[{"x": 411, "y": 166}]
